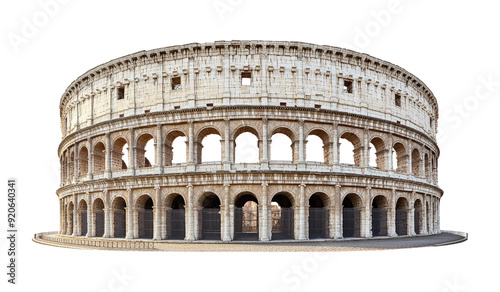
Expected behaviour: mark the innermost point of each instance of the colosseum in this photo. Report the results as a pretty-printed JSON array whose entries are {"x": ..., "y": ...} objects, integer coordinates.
[{"x": 135, "y": 162}]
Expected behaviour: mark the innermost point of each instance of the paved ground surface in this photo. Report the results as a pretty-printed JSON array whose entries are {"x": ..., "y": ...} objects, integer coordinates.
[{"x": 293, "y": 246}]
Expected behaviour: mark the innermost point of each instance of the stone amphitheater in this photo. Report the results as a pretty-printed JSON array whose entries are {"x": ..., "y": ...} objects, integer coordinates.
[{"x": 115, "y": 186}]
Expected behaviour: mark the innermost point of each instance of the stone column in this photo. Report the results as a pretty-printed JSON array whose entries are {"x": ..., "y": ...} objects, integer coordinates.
[
  {"x": 90, "y": 218},
  {"x": 337, "y": 213},
  {"x": 107, "y": 214},
  {"x": 391, "y": 214},
  {"x": 132, "y": 159},
  {"x": 424, "y": 215},
  {"x": 301, "y": 145},
  {"x": 107, "y": 171},
  {"x": 226, "y": 236},
  {"x": 409, "y": 162},
  {"x": 76, "y": 165},
  {"x": 130, "y": 215},
  {"x": 335, "y": 141},
  {"x": 227, "y": 149},
  {"x": 90, "y": 170},
  {"x": 264, "y": 161},
  {"x": 389, "y": 163},
  {"x": 191, "y": 158},
  {"x": 61, "y": 216},
  {"x": 264, "y": 227},
  {"x": 159, "y": 150},
  {"x": 190, "y": 232},
  {"x": 367, "y": 222},
  {"x": 366, "y": 150},
  {"x": 411, "y": 215},
  {"x": 302, "y": 213},
  {"x": 157, "y": 214},
  {"x": 76, "y": 230}
]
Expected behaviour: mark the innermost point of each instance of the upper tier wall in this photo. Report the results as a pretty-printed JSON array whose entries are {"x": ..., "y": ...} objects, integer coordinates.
[{"x": 248, "y": 72}]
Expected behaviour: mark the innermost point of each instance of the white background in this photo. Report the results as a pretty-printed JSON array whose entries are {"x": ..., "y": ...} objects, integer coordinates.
[{"x": 453, "y": 47}]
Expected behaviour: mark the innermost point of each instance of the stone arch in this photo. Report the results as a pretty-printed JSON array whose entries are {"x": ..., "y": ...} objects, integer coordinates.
[
  {"x": 356, "y": 145},
  {"x": 379, "y": 152},
  {"x": 246, "y": 216},
  {"x": 119, "y": 225},
  {"x": 402, "y": 207},
  {"x": 379, "y": 206},
  {"x": 427, "y": 167},
  {"x": 288, "y": 152},
  {"x": 217, "y": 147},
  {"x": 418, "y": 218},
  {"x": 175, "y": 216},
  {"x": 99, "y": 158},
  {"x": 210, "y": 216},
  {"x": 143, "y": 155},
  {"x": 170, "y": 150},
  {"x": 145, "y": 222},
  {"x": 282, "y": 216},
  {"x": 351, "y": 215},
  {"x": 325, "y": 148},
  {"x": 98, "y": 213},
  {"x": 318, "y": 214},
  {"x": 249, "y": 133},
  {"x": 401, "y": 157},
  {"x": 82, "y": 217},
  {"x": 415, "y": 162},
  {"x": 83, "y": 161},
  {"x": 117, "y": 152}
]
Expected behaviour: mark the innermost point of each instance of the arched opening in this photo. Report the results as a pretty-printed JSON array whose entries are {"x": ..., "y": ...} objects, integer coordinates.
[
  {"x": 402, "y": 216},
  {"x": 318, "y": 216},
  {"x": 209, "y": 146},
  {"x": 99, "y": 158},
  {"x": 145, "y": 151},
  {"x": 145, "y": 216},
  {"x": 377, "y": 153},
  {"x": 82, "y": 217},
  {"x": 379, "y": 216},
  {"x": 282, "y": 145},
  {"x": 350, "y": 149},
  {"x": 119, "y": 217},
  {"x": 175, "y": 148},
  {"x": 351, "y": 216},
  {"x": 246, "y": 146},
  {"x": 399, "y": 156},
  {"x": 315, "y": 149},
  {"x": 98, "y": 210},
  {"x": 246, "y": 217},
  {"x": 71, "y": 208},
  {"x": 83, "y": 162},
  {"x": 176, "y": 217},
  {"x": 282, "y": 216},
  {"x": 210, "y": 217},
  {"x": 415, "y": 162},
  {"x": 119, "y": 147},
  {"x": 417, "y": 216}
]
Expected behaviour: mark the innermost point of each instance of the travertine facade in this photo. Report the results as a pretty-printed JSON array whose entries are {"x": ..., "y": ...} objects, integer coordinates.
[{"x": 229, "y": 88}]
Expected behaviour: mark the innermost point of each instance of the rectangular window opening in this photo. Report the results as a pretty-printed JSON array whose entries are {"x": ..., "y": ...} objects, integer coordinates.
[
  {"x": 246, "y": 77},
  {"x": 397, "y": 100},
  {"x": 210, "y": 104},
  {"x": 348, "y": 86},
  {"x": 120, "y": 93},
  {"x": 177, "y": 107},
  {"x": 122, "y": 115},
  {"x": 176, "y": 83},
  {"x": 282, "y": 103},
  {"x": 147, "y": 111},
  {"x": 317, "y": 106}
]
